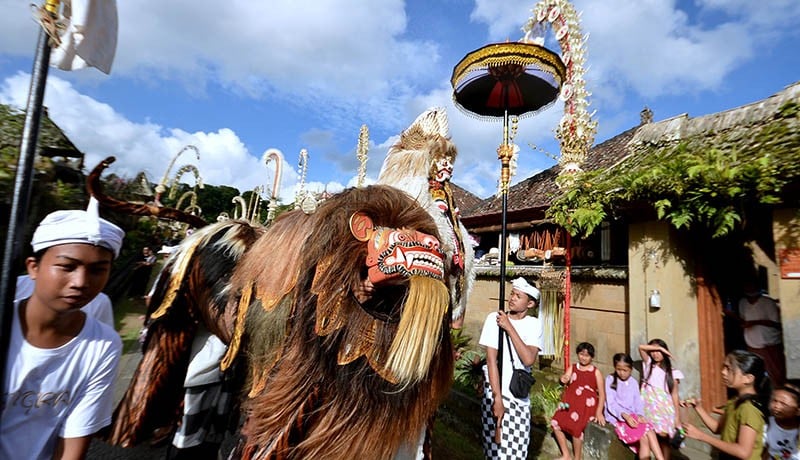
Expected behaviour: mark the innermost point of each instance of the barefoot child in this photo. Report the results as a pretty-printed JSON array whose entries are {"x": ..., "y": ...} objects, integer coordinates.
[
  {"x": 659, "y": 388},
  {"x": 62, "y": 363},
  {"x": 583, "y": 401},
  {"x": 783, "y": 425},
  {"x": 742, "y": 422},
  {"x": 625, "y": 409}
]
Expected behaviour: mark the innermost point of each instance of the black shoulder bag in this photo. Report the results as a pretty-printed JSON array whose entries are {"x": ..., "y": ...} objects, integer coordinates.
[{"x": 521, "y": 379}]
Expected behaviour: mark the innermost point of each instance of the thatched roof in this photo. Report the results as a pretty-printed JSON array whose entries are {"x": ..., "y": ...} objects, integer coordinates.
[{"x": 734, "y": 129}]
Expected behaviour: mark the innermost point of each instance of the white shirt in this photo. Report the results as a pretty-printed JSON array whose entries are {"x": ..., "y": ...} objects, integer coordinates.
[
  {"x": 99, "y": 307},
  {"x": 62, "y": 392},
  {"x": 780, "y": 443},
  {"x": 530, "y": 331},
  {"x": 760, "y": 336}
]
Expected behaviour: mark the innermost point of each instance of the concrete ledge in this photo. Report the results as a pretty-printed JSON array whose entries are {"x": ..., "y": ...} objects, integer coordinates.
[{"x": 462, "y": 411}]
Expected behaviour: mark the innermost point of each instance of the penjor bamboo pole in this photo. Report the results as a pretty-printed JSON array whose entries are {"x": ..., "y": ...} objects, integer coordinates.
[{"x": 21, "y": 195}]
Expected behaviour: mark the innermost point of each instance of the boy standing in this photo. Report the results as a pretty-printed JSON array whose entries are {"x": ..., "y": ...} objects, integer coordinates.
[{"x": 62, "y": 363}]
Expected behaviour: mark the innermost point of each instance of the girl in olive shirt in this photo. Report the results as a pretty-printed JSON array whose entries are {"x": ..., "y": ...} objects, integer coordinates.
[{"x": 741, "y": 426}]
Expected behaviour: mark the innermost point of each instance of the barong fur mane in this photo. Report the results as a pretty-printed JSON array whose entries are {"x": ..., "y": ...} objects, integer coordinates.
[{"x": 348, "y": 380}]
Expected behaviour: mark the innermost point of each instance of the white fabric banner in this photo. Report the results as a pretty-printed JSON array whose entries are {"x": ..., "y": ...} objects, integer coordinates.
[{"x": 90, "y": 39}]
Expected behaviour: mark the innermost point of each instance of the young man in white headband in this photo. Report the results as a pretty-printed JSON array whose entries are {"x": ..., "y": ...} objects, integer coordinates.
[
  {"x": 61, "y": 362},
  {"x": 500, "y": 408}
]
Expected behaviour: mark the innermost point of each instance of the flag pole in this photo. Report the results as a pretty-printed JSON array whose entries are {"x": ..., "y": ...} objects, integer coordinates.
[{"x": 20, "y": 200}]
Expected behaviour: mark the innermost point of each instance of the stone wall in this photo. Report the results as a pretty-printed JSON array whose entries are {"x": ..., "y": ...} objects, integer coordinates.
[
  {"x": 786, "y": 228},
  {"x": 598, "y": 315}
]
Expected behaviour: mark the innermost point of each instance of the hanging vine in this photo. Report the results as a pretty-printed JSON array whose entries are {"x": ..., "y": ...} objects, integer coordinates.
[{"x": 704, "y": 182}]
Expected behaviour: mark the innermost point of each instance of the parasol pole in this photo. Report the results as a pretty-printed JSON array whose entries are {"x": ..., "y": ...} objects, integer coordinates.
[
  {"x": 504, "y": 154},
  {"x": 518, "y": 78},
  {"x": 21, "y": 195},
  {"x": 567, "y": 300}
]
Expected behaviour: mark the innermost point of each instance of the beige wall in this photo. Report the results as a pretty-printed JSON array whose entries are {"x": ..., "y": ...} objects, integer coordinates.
[
  {"x": 598, "y": 316},
  {"x": 655, "y": 263},
  {"x": 786, "y": 230}
]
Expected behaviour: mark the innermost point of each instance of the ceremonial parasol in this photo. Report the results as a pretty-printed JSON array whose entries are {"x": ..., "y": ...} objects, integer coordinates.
[
  {"x": 499, "y": 80},
  {"x": 502, "y": 80}
]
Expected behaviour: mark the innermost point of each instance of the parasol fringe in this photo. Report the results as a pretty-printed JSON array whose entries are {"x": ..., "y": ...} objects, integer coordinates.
[{"x": 500, "y": 119}]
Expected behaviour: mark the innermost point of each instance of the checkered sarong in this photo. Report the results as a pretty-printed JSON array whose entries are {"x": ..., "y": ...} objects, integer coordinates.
[{"x": 516, "y": 428}]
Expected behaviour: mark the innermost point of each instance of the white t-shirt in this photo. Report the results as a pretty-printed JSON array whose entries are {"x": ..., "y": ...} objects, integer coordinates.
[
  {"x": 62, "y": 392},
  {"x": 530, "y": 331},
  {"x": 761, "y": 336},
  {"x": 99, "y": 307},
  {"x": 780, "y": 444}
]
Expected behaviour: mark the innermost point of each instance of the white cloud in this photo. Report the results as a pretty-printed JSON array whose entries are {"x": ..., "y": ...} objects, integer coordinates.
[
  {"x": 99, "y": 131},
  {"x": 652, "y": 47},
  {"x": 337, "y": 54}
]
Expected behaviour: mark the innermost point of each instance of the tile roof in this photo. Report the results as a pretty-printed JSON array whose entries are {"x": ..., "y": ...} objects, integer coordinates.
[
  {"x": 538, "y": 191},
  {"x": 465, "y": 199}
]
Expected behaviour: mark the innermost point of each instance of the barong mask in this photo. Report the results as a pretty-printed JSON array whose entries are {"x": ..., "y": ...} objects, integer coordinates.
[
  {"x": 394, "y": 254},
  {"x": 442, "y": 168}
]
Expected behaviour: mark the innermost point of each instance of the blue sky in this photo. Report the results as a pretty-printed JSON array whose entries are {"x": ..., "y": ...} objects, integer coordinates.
[{"x": 238, "y": 79}]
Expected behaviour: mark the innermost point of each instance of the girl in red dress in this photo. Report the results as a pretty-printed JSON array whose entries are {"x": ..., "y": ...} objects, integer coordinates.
[{"x": 582, "y": 401}]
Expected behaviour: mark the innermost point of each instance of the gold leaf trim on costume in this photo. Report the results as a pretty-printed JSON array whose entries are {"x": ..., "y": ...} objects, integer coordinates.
[
  {"x": 238, "y": 328},
  {"x": 176, "y": 279},
  {"x": 329, "y": 318},
  {"x": 259, "y": 382}
]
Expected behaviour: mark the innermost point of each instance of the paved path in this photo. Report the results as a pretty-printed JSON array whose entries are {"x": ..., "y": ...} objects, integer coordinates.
[{"x": 102, "y": 451}]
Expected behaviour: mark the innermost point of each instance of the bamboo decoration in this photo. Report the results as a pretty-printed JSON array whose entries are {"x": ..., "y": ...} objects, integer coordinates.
[
  {"x": 276, "y": 156},
  {"x": 303, "y": 167},
  {"x": 239, "y": 212},
  {"x": 194, "y": 209},
  {"x": 192, "y": 199},
  {"x": 254, "y": 205},
  {"x": 577, "y": 129},
  {"x": 183, "y": 170},
  {"x": 361, "y": 154},
  {"x": 162, "y": 186}
]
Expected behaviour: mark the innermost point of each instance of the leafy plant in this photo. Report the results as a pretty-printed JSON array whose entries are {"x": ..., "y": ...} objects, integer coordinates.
[
  {"x": 544, "y": 402},
  {"x": 705, "y": 182},
  {"x": 469, "y": 370}
]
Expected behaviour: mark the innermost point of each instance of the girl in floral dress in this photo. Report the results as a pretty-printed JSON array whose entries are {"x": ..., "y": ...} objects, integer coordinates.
[
  {"x": 659, "y": 389},
  {"x": 625, "y": 410},
  {"x": 582, "y": 401}
]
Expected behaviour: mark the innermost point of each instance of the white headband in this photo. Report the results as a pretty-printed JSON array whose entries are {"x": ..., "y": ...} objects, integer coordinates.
[
  {"x": 523, "y": 286},
  {"x": 75, "y": 226}
]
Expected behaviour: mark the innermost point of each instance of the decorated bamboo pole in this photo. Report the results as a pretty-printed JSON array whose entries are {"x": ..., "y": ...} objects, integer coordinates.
[
  {"x": 361, "y": 154},
  {"x": 303, "y": 165},
  {"x": 240, "y": 211},
  {"x": 567, "y": 300},
  {"x": 21, "y": 194},
  {"x": 198, "y": 180},
  {"x": 276, "y": 156}
]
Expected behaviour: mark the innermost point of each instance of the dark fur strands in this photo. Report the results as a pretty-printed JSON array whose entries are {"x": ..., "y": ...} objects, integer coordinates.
[
  {"x": 153, "y": 399},
  {"x": 345, "y": 410}
]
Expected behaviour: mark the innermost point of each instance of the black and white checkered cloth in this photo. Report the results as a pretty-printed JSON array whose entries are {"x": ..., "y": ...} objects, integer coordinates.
[{"x": 516, "y": 428}]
